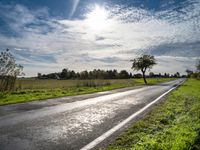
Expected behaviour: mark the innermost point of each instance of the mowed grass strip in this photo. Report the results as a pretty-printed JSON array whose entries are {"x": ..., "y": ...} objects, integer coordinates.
[
  {"x": 173, "y": 124},
  {"x": 30, "y": 90}
]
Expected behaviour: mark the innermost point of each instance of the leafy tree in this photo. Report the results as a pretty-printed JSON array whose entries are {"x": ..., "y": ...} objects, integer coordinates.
[
  {"x": 9, "y": 71},
  {"x": 64, "y": 74},
  {"x": 143, "y": 63},
  {"x": 84, "y": 75},
  {"x": 151, "y": 74},
  {"x": 39, "y": 75},
  {"x": 177, "y": 75},
  {"x": 189, "y": 72},
  {"x": 123, "y": 74}
]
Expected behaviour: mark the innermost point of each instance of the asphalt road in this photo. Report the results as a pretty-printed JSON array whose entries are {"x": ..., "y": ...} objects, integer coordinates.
[{"x": 71, "y": 122}]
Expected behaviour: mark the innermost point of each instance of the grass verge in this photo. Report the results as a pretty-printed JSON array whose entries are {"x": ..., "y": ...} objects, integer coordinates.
[
  {"x": 173, "y": 124},
  {"x": 71, "y": 88}
]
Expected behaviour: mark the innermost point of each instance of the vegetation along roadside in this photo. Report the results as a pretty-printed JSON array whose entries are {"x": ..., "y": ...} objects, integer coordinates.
[
  {"x": 30, "y": 90},
  {"x": 173, "y": 124}
]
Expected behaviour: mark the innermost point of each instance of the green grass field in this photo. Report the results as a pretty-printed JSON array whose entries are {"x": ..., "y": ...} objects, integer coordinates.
[
  {"x": 29, "y": 90},
  {"x": 174, "y": 124}
]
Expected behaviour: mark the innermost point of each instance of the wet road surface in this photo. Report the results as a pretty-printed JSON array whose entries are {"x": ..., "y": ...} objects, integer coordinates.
[{"x": 72, "y": 122}]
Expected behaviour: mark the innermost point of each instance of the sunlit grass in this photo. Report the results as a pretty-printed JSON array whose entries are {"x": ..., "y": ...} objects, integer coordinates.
[
  {"x": 29, "y": 90},
  {"x": 174, "y": 124}
]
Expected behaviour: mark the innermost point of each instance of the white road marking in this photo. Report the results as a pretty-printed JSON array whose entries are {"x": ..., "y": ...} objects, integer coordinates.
[{"x": 120, "y": 125}]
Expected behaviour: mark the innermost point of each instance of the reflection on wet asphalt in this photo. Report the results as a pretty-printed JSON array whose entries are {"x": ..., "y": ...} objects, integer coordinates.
[{"x": 73, "y": 125}]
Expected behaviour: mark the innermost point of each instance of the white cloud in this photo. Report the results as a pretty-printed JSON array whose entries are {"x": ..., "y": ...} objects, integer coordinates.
[
  {"x": 75, "y": 4},
  {"x": 128, "y": 33}
]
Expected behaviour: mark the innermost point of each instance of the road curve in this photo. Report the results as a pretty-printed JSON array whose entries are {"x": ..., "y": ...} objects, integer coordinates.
[{"x": 65, "y": 126}]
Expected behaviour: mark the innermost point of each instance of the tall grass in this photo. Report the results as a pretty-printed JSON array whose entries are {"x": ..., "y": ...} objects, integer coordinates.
[{"x": 27, "y": 84}]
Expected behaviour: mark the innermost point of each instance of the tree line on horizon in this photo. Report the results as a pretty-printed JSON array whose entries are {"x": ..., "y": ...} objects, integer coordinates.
[
  {"x": 94, "y": 74},
  {"x": 100, "y": 74}
]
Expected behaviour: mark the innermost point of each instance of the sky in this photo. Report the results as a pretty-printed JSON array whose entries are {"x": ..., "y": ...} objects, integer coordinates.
[{"x": 48, "y": 35}]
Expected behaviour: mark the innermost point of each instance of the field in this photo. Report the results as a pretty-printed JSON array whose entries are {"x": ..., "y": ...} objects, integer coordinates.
[
  {"x": 29, "y": 90},
  {"x": 28, "y": 84},
  {"x": 173, "y": 124}
]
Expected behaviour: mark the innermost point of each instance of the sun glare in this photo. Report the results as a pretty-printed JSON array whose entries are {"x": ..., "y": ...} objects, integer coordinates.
[{"x": 97, "y": 19}]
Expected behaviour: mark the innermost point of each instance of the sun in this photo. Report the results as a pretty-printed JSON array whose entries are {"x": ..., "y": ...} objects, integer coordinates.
[{"x": 97, "y": 19}]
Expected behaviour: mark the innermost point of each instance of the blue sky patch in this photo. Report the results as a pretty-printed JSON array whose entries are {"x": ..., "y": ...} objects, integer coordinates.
[{"x": 55, "y": 34}]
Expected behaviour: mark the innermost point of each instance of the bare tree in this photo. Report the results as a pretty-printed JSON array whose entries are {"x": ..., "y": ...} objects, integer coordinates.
[
  {"x": 9, "y": 71},
  {"x": 143, "y": 63}
]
